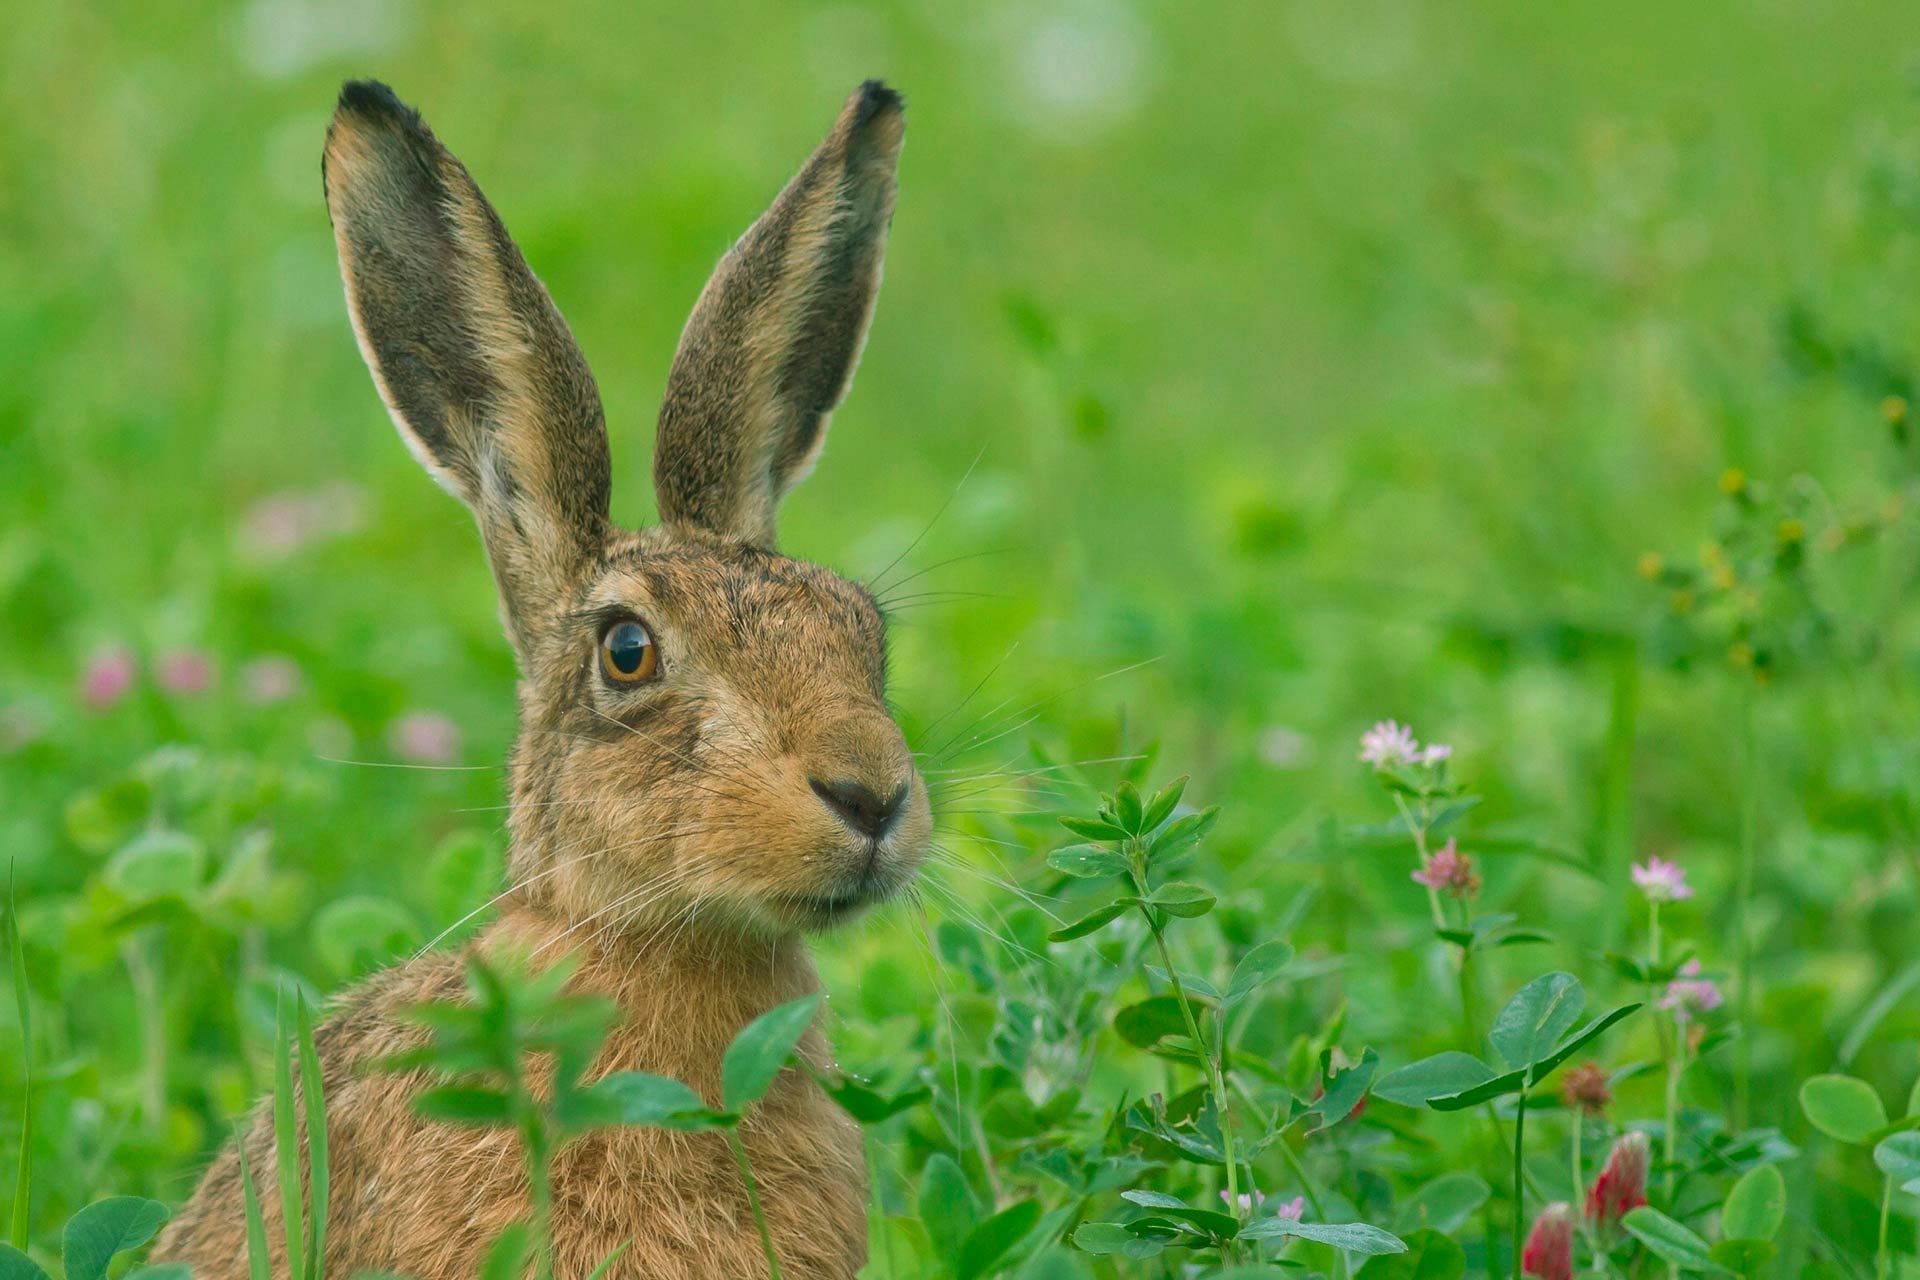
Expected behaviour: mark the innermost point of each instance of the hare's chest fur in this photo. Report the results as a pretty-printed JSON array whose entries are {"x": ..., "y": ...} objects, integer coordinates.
[{"x": 426, "y": 1200}]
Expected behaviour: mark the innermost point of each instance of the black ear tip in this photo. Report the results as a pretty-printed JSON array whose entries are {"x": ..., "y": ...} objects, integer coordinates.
[
  {"x": 873, "y": 98},
  {"x": 372, "y": 100}
]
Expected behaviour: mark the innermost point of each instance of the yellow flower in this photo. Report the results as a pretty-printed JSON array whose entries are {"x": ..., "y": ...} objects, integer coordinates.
[
  {"x": 1791, "y": 530},
  {"x": 1740, "y": 654},
  {"x": 1651, "y": 564},
  {"x": 1733, "y": 481},
  {"x": 1894, "y": 409},
  {"x": 1724, "y": 577}
]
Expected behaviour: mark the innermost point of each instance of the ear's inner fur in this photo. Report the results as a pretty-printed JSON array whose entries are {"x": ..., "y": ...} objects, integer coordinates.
[
  {"x": 774, "y": 339},
  {"x": 473, "y": 360}
]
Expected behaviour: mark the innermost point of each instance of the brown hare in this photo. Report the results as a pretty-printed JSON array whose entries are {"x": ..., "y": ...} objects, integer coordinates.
[{"x": 706, "y": 768}]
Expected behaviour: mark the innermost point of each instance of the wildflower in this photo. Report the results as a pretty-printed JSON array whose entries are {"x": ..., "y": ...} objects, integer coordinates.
[
  {"x": 1690, "y": 995},
  {"x": 274, "y": 678},
  {"x": 1652, "y": 565},
  {"x": 184, "y": 672},
  {"x": 1661, "y": 881},
  {"x": 1244, "y": 1204},
  {"x": 1291, "y": 1209},
  {"x": 425, "y": 737},
  {"x": 108, "y": 677},
  {"x": 1387, "y": 744},
  {"x": 1584, "y": 1088},
  {"x": 1449, "y": 871},
  {"x": 282, "y": 524},
  {"x": 1435, "y": 752},
  {"x": 1622, "y": 1184},
  {"x": 1283, "y": 748},
  {"x": 1894, "y": 410},
  {"x": 1549, "y": 1250},
  {"x": 1733, "y": 481}
]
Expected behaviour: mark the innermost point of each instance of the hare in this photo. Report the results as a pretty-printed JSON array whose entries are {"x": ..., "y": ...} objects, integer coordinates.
[{"x": 706, "y": 769}]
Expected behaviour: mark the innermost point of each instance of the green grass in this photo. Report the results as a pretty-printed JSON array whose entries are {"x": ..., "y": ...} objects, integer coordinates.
[{"x": 1276, "y": 369}]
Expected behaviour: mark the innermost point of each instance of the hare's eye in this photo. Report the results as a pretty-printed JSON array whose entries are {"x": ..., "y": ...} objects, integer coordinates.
[{"x": 627, "y": 653}]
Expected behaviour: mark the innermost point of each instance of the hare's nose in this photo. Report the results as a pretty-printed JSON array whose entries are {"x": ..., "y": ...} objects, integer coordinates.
[{"x": 860, "y": 806}]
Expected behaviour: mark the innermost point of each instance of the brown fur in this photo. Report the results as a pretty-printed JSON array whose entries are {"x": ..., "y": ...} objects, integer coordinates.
[{"x": 673, "y": 835}]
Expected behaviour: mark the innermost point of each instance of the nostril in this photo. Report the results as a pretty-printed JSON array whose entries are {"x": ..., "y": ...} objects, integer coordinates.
[{"x": 860, "y": 806}]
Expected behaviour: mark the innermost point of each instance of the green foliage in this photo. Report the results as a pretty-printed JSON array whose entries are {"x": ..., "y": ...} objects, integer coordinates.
[{"x": 1429, "y": 418}]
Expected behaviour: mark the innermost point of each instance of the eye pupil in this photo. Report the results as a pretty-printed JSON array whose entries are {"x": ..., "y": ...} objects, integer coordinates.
[{"x": 627, "y": 651}]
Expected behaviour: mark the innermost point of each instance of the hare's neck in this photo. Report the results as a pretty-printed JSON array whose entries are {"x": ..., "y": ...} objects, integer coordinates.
[{"x": 681, "y": 1000}]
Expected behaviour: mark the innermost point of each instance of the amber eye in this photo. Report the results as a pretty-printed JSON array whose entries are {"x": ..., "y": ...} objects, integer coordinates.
[{"x": 627, "y": 653}]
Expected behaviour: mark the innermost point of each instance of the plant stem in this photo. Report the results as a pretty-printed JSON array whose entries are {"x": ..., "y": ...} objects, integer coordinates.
[
  {"x": 1519, "y": 1203},
  {"x": 153, "y": 1030},
  {"x": 1749, "y": 823},
  {"x": 1886, "y": 1211},
  {"x": 1218, "y": 1078},
  {"x": 539, "y": 1176},
  {"x": 1579, "y": 1126},
  {"x": 1419, "y": 832},
  {"x": 753, "y": 1200}
]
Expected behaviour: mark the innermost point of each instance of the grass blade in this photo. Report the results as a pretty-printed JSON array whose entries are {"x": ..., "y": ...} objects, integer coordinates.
[
  {"x": 310, "y": 1088},
  {"x": 286, "y": 1137},
  {"x": 257, "y": 1267},
  {"x": 22, "y": 1181}
]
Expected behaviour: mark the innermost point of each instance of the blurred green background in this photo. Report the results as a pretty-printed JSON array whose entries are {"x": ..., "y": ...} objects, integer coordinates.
[{"x": 1335, "y": 360}]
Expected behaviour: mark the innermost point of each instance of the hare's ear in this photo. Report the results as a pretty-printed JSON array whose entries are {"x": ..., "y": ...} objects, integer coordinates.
[
  {"x": 775, "y": 336},
  {"x": 474, "y": 363}
]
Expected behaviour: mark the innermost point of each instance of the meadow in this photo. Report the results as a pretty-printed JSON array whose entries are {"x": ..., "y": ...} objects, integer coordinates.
[{"x": 1475, "y": 448}]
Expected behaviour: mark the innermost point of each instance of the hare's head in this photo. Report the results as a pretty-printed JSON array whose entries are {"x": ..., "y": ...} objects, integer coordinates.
[{"x": 704, "y": 730}]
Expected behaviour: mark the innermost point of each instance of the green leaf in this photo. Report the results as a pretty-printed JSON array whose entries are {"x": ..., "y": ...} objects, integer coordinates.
[
  {"x": 869, "y": 1106},
  {"x": 1094, "y": 829},
  {"x": 1443, "y": 1204},
  {"x": 1913, "y": 1100},
  {"x": 1429, "y": 1256},
  {"x": 258, "y": 1263},
  {"x": 1669, "y": 1240},
  {"x": 1163, "y": 803},
  {"x": 359, "y": 934},
  {"x": 1093, "y": 920},
  {"x": 507, "y": 1256},
  {"x": 464, "y": 1104},
  {"x": 1743, "y": 1256},
  {"x": 1215, "y": 1223},
  {"x": 1512, "y": 1081},
  {"x": 23, "y": 1010},
  {"x": 1843, "y": 1107},
  {"x": 313, "y": 1092},
  {"x": 1178, "y": 898},
  {"x": 160, "y": 863},
  {"x": 989, "y": 1242},
  {"x": 606, "y": 1263},
  {"x": 1899, "y": 1158},
  {"x": 1087, "y": 861},
  {"x": 1127, "y": 807},
  {"x": 640, "y": 1098},
  {"x": 1354, "y": 1237},
  {"x": 107, "y": 1227},
  {"x": 1343, "y": 1090},
  {"x": 1756, "y": 1206},
  {"x": 15, "y": 1265},
  {"x": 160, "y": 1271},
  {"x": 946, "y": 1204},
  {"x": 1531, "y": 1024},
  {"x": 1257, "y": 968},
  {"x": 1182, "y": 834},
  {"x": 1145, "y": 1024},
  {"x": 761, "y": 1049},
  {"x": 286, "y": 1135},
  {"x": 1110, "y": 1238},
  {"x": 1444, "y": 1074}
]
